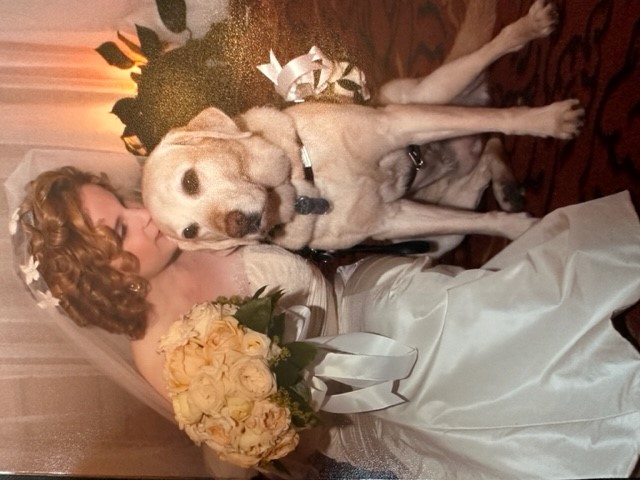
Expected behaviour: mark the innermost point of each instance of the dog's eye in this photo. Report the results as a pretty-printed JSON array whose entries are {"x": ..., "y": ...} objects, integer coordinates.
[
  {"x": 191, "y": 231},
  {"x": 190, "y": 182}
]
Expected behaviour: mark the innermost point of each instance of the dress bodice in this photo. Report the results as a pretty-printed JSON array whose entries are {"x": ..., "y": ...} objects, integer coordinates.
[{"x": 302, "y": 283}]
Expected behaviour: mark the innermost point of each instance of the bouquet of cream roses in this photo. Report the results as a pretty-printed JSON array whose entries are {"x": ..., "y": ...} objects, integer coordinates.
[{"x": 234, "y": 387}]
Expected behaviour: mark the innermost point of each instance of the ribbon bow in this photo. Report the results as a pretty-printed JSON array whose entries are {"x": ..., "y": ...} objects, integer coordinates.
[
  {"x": 298, "y": 74},
  {"x": 368, "y": 362}
]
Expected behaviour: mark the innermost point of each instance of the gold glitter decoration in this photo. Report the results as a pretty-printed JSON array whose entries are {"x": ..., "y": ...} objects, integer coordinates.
[{"x": 221, "y": 69}]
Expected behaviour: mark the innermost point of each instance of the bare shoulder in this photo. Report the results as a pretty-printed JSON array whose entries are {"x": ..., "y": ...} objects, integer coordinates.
[
  {"x": 197, "y": 277},
  {"x": 149, "y": 362}
]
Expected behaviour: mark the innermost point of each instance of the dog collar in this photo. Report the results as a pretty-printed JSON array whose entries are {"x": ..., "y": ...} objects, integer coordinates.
[{"x": 305, "y": 205}]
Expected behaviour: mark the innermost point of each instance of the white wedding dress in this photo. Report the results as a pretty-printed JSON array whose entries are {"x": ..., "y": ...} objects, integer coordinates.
[{"x": 520, "y": 373}]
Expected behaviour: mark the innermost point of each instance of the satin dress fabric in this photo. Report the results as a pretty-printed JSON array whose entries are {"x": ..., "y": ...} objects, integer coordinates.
[{"x": 520, "y": 372}]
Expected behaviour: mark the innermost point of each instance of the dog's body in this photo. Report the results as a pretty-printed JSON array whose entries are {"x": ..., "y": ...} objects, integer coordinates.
[{"x": 220, "y": 183}]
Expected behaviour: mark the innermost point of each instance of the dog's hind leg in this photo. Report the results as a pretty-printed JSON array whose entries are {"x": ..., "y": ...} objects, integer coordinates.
[
  {"x": 453, "y": 78},
  {"x": 408, "y": 219},
  {"x": 506, "y": 189}
]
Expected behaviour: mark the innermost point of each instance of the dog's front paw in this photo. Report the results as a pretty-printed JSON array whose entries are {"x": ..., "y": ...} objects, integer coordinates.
[
  {"x": 540, "y": 21},
  {"x": 568, "y": 119}
]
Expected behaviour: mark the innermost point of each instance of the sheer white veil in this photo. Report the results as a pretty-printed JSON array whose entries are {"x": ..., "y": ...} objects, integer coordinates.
[
  {"x": 111, "y": 353},
  {"x": 55, "y": 375}
]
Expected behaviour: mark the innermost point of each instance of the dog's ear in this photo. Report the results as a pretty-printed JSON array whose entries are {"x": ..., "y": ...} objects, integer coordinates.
[{"x": 210, "y": 123}]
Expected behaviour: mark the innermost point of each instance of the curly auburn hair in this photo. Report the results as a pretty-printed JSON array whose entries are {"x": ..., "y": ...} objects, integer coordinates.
[{"x": 76, "y": 257}]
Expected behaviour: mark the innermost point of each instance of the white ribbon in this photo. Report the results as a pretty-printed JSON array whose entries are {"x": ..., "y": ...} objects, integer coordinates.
[
  {"x": 295, "y": 80},
  {"x": 367, "y": 362}
]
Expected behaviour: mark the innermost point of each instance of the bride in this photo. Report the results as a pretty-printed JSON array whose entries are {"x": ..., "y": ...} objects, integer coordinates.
[{"x": 519, "y": 373}]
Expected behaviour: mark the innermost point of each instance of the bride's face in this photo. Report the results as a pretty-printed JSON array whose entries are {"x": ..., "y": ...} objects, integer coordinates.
[{"x": 133, "y": 224}]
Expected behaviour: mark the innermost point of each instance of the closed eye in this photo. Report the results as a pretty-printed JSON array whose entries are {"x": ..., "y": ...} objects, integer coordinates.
[
  {"x": 120, "y": 228},
  {"x": 190, "y": 182}
]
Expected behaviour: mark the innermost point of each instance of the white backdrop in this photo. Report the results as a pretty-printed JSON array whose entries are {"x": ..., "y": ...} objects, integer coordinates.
[{"x": 58, "y": 413}]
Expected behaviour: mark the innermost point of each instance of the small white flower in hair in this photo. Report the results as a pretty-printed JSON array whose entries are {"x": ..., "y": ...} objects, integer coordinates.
[
  {"x": 48, "y": 300},
  {"x": 13, "y": 223},
  {"x": 30, "y": 270}
]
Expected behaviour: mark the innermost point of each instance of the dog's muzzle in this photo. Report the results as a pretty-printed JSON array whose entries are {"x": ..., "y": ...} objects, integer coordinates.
[{"x": 238, "y": 224}]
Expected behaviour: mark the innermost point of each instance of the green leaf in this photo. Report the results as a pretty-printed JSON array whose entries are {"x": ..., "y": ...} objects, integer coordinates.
[
  {"x": 150, "y": 44},
  {"x": 114, "y": 56},
  {"x": 260, "y": 291},
  {"x": 302, "y": 415},
  {"x": 275, "y": 298},
  {"x": 126, "y": 109},
  {"x": 276, "y": 329},
  {"x": 287, "y": 373},
  {"x": 302, "y": 389},
  {"x": 256, "y": 314},
  {"x": 173, "y": 14},
  {"x": 302, "y": 353},
  {"x": 132, "y": 46}
]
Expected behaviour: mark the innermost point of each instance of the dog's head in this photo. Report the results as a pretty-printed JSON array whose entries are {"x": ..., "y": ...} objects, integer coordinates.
[{"x": 211, "y": 185}]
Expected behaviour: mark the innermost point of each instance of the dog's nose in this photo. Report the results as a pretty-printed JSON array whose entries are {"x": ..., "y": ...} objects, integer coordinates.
[{"x": 237, "y": 224}]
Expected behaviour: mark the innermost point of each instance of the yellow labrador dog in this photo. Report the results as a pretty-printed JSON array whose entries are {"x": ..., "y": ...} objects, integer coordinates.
[{"x": 329, "y": 176}]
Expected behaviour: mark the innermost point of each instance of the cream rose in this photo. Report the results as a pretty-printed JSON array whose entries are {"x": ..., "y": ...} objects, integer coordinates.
[
  {"x": 251, "y": 377},
  {"x": 270, "y": 417},
  {"x": 200, "y": 316},
  {"x": 237, "y": 408},
  {"x": 185, "y": 410},
  {"x": 255, "y": 443},
  {"x": 225, "y": 334},
  {"x": 286, "y": 444},
  {"x": 182, "y": 364},
  {"x": 179, "y": 333},
  {"x": 255, "y": 344},
  {"x": 218, "y": 432},
  {"x": 207, "y": 391}
]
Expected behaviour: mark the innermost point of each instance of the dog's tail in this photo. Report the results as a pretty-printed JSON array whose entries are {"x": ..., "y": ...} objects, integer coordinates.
[{"x": 476, "y": 28}]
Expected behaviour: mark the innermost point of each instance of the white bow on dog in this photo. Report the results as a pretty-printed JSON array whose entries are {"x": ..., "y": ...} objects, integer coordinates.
[{"x": 296, "y": 80}]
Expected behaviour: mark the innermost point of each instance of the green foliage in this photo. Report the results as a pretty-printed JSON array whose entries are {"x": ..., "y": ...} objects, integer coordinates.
[
  {"x": 257, "y": 313},
  {"x": 174, "y": 85},
  {"x": 145, "y": 121},
  {"x": 173, "y": 14},
  {"x": 114, "y": 56},
  {"x": 302, "y": 353},
  {"x": 150, "y": 44}
]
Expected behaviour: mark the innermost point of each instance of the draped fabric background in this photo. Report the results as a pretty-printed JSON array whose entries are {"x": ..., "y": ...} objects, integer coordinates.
[{"x": 60, "y": 414}]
